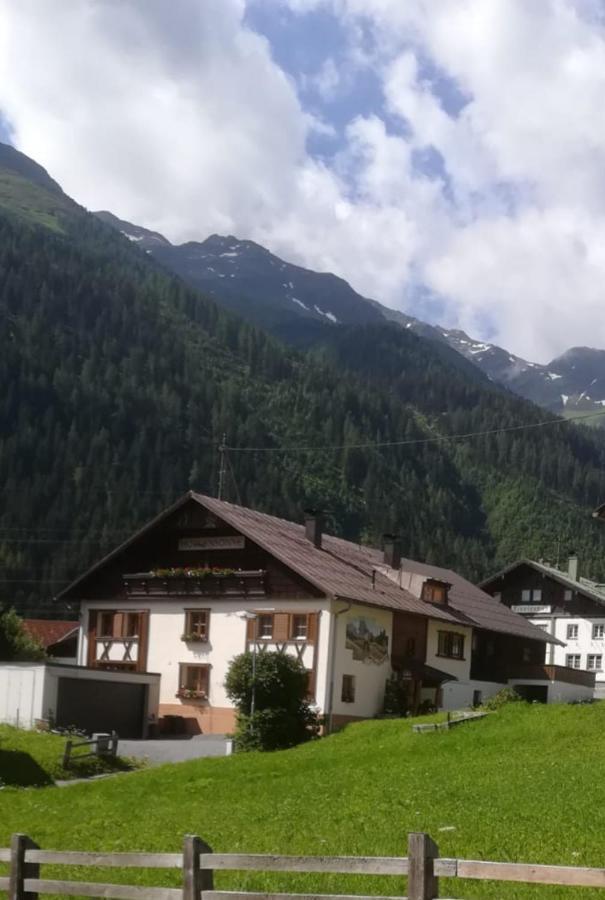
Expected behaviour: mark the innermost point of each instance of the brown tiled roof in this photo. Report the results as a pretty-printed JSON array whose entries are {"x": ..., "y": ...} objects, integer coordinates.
[
  {"x": 345, "y": 569},
  {"x": 49, "y": 631}
]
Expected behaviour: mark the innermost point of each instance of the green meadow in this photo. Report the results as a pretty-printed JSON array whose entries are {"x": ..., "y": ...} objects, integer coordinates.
[{"x": 525, "y": 784}]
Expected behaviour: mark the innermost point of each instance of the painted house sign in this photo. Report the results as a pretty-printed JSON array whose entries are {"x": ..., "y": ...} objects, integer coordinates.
[
  {"x": 368, "y": 640},
  {"x": 235, "y": 542}
]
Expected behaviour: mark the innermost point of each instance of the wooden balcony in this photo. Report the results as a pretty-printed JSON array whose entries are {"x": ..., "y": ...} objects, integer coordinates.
[
  {"x": 542, "y": 672},
  {"x": 239, "y": 583}
]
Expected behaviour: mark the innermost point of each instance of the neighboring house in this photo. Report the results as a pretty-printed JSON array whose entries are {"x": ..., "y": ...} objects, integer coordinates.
[
  {"x": 206, "y": 580},
  {"x": 58, "y": 638},
  {"x": 565, "y": 605}
]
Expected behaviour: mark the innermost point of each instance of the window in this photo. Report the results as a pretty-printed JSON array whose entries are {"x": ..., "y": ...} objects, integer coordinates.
[
  {"x": 598, "y": 632},
  {"x": 264, "y": 626},
  {"x": 595, "y": 662},
  {"x": 300, "y": 627},
  {"x": 130, "y": 624},
  {"x": 572, "y": 660},
  {"x": 347, "y": 694},
  {"x": 572, "y": 632},
  {"x": 542, "y": 625},
  {"x": 531, "y": 595},
  {"x": 567, "y": 595},
  {"x": 194, "y": 682},
  {"x": 105, "y": 628},
  {"x": 434, "y": 592},
  {"x": 450, "y": 644},
  {"x": 196, "y": 624}
]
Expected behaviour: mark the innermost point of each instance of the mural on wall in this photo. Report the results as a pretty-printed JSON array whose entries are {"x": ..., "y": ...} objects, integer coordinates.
[{"x": 368, "y": 640}]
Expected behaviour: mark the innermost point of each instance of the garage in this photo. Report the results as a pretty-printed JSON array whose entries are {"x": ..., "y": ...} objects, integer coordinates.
[
  {"x": 47, "y": 694},
  {"x": 93, "y": 706}
]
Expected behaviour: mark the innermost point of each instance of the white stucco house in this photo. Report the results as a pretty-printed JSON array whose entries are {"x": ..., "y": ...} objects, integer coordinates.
[{"x": 206, "y": 580}]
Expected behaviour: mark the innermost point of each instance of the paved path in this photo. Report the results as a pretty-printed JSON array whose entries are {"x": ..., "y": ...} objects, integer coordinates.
[{"x": 163, "y": 750}]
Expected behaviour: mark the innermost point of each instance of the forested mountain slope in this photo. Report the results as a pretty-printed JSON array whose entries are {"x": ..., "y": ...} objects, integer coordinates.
[
  {"x": 118, "y": 382},
  {"x": 302, "y": 307}
]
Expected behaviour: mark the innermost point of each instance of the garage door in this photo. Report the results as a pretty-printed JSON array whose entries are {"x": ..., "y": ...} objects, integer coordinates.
[{"x": 101, "y": 706}]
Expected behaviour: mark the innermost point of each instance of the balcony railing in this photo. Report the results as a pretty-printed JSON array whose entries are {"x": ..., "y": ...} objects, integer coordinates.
[
  {"x": 540, "y": 672},
  {"x": 246, "y": 583}
]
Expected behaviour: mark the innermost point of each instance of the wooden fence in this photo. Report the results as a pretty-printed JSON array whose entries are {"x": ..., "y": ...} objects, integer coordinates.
[
  {"x": 422, "y": 867},
  {"x": 103, "y": 745}
]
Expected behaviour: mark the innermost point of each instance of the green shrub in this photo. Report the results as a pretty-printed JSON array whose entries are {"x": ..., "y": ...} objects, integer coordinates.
[
  {"x": 504, "y": 696},
  {"x": 15, "y": 643},
  {"x": 282, "y": 716}
]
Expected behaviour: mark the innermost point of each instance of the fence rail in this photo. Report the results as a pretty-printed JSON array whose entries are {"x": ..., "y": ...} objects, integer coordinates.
[
  {"x": 422, "y": 867},
  {"x": 104, "y": 745}
]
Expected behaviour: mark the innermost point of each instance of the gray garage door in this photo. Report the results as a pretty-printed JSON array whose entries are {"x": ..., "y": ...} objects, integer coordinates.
[{"x": 101, "y": 706}]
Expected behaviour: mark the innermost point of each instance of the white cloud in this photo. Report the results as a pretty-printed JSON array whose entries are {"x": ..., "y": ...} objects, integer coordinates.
[{"x": 175, "y": 115}]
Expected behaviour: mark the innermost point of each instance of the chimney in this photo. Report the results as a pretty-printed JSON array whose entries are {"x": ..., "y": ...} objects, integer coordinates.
[
  {"x": 392, "y": 551},
  {"x": 313, "y": 526},
  {"x": 572, "y": 567}
]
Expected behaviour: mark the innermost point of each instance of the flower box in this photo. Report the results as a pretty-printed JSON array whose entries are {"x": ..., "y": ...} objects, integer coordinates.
[
  {"x": 188, "y": 694},
  {"x": 194, "y": 638}
]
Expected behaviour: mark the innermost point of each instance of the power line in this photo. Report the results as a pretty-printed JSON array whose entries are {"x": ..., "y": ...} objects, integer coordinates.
[{"x": 433, "y": 440}]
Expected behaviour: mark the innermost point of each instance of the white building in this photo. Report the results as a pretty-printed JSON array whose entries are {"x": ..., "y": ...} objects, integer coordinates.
[
  {"x": 206, "y": 580},
  {"x": 565, "y": 605}
]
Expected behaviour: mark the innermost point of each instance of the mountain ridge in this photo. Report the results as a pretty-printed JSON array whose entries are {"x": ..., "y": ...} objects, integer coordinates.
[{"x": 231, "y": 271}]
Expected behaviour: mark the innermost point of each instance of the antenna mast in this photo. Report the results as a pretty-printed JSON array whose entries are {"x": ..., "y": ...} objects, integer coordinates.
[{"x": 222, "y": 471}]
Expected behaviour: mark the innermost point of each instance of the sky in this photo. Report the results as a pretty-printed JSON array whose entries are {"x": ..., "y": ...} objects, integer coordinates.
[{"x": 446, "y": 157}]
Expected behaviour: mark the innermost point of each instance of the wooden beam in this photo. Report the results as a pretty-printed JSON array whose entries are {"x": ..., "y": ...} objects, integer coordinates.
[
  {"x": 20, "y": 870},
  {"x": 423, "y": 884}
]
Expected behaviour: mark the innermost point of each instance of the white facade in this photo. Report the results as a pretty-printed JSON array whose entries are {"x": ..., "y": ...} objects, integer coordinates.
[
  {"x": 583, "y": 647},
  {"x": 226, "y": 639}
]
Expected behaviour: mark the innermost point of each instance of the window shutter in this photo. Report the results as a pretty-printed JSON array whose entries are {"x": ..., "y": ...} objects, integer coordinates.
[
  {"x": 250, "y": 623},
  {"x": 312, "y": 625},
  {"x": 281, "y": 627},
  {"x": 92, "y": 635},
  {"x": 118, "y": 624},
  {"x": 143, "y": 640}
]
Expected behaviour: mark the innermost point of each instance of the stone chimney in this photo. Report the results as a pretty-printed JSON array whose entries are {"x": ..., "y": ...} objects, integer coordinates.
[
  {"x": 572, "y": 566},
  {"x": 392, "y": 551},
  {"x": 314, "y": 526}
]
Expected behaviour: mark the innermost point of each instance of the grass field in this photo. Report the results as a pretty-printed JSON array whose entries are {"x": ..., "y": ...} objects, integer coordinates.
[
  {"x": 525, "y": 784},
  {"x": 30, "y": 758}
]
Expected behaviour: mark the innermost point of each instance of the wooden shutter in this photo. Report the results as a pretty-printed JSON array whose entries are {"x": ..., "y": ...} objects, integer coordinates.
[
  {"x": 281, "y": 627},
  {"x": 143, "y": 640},
  {"x": 92, "y": 635},
  {"x": 118, "y": 625},
  {"x": 250, "y": 623},
  {"x": 312, "y": 626}
]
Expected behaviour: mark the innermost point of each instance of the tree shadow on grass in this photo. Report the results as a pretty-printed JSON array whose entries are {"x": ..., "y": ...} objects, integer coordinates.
[{"x": 20, "y": 769}]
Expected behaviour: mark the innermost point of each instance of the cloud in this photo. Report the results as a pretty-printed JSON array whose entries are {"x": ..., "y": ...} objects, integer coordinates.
[{"x": 480, "y": 175}]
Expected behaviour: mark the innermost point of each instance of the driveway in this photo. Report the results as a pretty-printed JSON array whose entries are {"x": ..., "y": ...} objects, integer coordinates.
[{"x": 175, "y": 749}]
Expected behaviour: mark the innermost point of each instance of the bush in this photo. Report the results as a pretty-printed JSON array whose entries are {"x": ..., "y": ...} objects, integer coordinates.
[
  {"x": 15, "y": 643},
  {"x": 504, "y": 696},
  {"x": 282, "y": 716}
]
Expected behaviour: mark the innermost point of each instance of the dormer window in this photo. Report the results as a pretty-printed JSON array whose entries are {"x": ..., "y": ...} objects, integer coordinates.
[{"x": 434, "y": 591}]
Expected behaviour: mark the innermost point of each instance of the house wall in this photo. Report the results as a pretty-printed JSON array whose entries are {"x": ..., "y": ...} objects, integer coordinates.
[
  {"x": 459, "y": 694},
  {"x": 370, "y": 676},
  {"x": 559, "y": 691},
  {"x": 21, "y": 693},
  {"x": 460, "y": 668},
  {"x": 584, "y": 645},
  {"x": 226, "y": 639}
]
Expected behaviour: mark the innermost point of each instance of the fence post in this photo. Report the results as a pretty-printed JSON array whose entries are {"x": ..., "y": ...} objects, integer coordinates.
[
  {"x": 422, "y": 882},
  {"x": 114, "y": 743},
  {"x": 20, "y": 869},
  {"x": 195, "y": 879},
  {"x": 67, "y": 754}
]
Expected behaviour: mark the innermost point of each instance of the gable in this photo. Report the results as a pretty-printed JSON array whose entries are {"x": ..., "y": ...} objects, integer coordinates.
[{"x": 187, "y": 536}]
